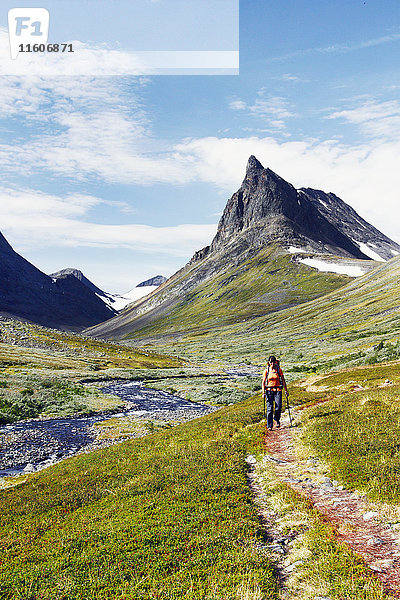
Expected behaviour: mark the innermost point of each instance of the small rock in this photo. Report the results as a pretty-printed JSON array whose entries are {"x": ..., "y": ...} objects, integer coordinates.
[
  {"x": 251, "y": 460},
  {"x": 293, "y": 566},
  {"x": 281, "y": 541},
  {"x": 29, "y": 468},
  {"x": 370, "y": 515},
  {"x": 387, "y": 564},
  {"x": 382, "y": 565},
  {"x": 279, "y": 461},
  {"x": 276, "y": 548},
  {"x": 327, "y": 486},
  {"x": 375, "y": 541}
]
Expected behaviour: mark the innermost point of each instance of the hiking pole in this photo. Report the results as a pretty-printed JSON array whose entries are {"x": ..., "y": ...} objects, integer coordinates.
[
  {"x": 264, "y": 404},
  {"x": 288, "y": 407}
]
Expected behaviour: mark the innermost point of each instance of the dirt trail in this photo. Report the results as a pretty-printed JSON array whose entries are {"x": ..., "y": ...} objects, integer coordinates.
[{"x": 367, "y": 529}]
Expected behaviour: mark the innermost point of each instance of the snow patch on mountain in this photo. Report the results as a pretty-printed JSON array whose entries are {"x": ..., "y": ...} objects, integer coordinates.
[
  {"x": 119, "y": 302},
  {"x": 341, "y": 269},
  {"x": 294, "y": 250},
  {"x": 369, "y": 252}
]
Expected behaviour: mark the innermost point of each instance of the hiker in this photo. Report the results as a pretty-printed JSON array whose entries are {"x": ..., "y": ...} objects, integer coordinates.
[{"x": 272, "y": 383}]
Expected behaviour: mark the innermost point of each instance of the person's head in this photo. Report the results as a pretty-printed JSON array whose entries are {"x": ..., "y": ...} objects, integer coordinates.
[{"x": 272, "y": 360}]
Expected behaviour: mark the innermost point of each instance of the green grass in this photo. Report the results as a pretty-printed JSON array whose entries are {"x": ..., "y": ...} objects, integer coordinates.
[
  {"x": 255, "y": 287},
  {"x": 213, "y": 388},
  {"x": 49, "y": 397},
  {"x": 357, "y": 432},
  {"x": 28, "y": 344},
  {"x": 41, "y": 371},
  {"x": 168, "y": 516},
  {"x": 357, "y": 324}
]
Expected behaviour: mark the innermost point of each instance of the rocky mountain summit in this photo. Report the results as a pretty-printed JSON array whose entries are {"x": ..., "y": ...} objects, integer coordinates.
[
  {"x": 81, "y": 277},
  {"x": 370, "y": 240},
  {"x": 268, "y": 209},
  {"x": 62, "y": 302},
  {"x": 275, "y": 247}
]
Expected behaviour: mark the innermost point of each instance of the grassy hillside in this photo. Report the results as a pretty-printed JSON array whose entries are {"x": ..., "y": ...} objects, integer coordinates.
[
  {"x": 222, "y": 290},
  {"x": 357, "y": 323},
  {"x": 263, "y": 284},
  {"x": 169, "y": 516}
]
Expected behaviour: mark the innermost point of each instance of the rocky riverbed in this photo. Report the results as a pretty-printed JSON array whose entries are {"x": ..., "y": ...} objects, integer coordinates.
[{"x": 28, "y": 446}]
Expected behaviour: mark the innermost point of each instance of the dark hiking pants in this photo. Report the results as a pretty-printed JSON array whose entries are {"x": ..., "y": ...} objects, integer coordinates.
[{"x": 273, "y": 398}]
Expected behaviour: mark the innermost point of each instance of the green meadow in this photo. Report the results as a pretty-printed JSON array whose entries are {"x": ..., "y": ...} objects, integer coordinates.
[
  {"x": 356, "y": 324},
  {"x": 171, "y": 515},
  {"x": 167, "y": 516},
  {"x": 42, "y": 371},
  {"x": 357, "y": 432}
]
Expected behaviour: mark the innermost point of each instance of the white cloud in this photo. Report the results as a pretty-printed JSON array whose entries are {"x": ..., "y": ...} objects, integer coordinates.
[
  {"x": 366, "y": 176},
  {"x": 237, "y": 105},
  {"x": 94, "y": 127},
  {"x": 376, "y": 119},
  {"x": 339, "y": 48},
  {"x": 32, "y": 204},
  {"x": 34, "y": 219},
  {"x": 82, "y": 122},
  {"x": 272, "y": 109},
  {"x": 288, "y": 77}
]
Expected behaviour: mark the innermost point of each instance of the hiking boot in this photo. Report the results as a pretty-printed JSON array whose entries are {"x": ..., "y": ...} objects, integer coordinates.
[{"x": 278, "y": 424}]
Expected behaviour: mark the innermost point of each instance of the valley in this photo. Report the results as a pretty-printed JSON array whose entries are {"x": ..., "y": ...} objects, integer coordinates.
[{"x": 214, "y": 507}]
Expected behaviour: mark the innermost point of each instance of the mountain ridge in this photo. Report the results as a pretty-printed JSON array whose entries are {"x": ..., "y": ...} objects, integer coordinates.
[
  {"x": 29, "y": 294},
  {"x": 259, "y": 226},
  {"x": 294, "y": 216}
]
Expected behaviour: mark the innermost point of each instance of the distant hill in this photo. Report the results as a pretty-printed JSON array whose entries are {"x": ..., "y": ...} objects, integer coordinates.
[
  {"x": 79, "y": 275},
  {"x": 62, "y": 302},
  {"x": 356, "y": 324},
  {"x": 116, "y": 301},
  {"x": 259, "y": 260},
  {"x": 153, "y": 281}
]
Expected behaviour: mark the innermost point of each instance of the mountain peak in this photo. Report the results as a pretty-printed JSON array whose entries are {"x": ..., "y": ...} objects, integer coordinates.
[
  {"x": 81, "y": 277},
  {"x": 253, "y": 164},
  {"x": 267, "y": 209},
  {"x": 69, "y": 271},
  {"x": 4, "y": 245}
]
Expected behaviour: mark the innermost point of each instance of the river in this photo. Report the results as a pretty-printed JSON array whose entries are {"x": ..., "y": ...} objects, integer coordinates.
[{"x": 29, "y": 446}]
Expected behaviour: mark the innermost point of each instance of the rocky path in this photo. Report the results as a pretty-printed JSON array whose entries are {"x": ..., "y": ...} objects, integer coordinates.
[{"x": 371, "y": 531}]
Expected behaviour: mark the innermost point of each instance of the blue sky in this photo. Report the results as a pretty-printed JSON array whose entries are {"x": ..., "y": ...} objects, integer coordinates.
[{"x": 122, "y": 173}]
